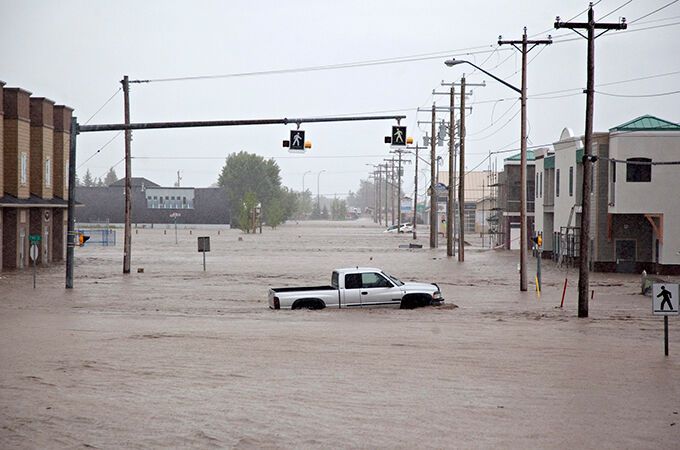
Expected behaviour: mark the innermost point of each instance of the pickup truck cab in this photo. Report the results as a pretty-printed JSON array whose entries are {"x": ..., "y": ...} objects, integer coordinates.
[{"x": 357, "y": 287}]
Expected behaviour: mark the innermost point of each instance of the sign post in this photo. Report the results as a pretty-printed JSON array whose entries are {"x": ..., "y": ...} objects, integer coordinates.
[
  {"x": 665, "y": 303},
  {"x": 33, "y": 252},
  {"x": 174, "y": 216},
  {"x": 204, "y": 246}
]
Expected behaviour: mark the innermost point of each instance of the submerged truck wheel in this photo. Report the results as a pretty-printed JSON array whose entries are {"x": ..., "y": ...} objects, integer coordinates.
[
  {"x": 414, "y": 301},
  {"x": 309, "y": 303}
]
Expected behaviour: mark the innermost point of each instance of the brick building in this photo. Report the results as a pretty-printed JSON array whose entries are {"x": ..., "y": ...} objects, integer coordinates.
[{"x": 34, "y": 143}]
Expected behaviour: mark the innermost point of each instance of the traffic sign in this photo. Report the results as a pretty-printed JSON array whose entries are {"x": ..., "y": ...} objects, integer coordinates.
[
  {"x": 34, "y": 238},
  {"x": 398, "y": 136},
  {"x": 297, "y": 140},
  {"x": 175, "y": 215},
  {"x": 33, "y": 252},
  {"x": 665, "y": 299}
]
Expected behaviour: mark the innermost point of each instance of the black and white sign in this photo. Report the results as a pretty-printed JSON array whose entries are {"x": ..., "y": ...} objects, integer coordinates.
[
  {"x": 297, "y": 140},
  {"x": 398, "y": 136},
  {"x": 665, "y": 299},
  {"x": 33, "y": 252}
]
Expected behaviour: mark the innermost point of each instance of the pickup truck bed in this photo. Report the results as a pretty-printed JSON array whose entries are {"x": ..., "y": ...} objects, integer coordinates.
[{"x": 304, "y": 289}]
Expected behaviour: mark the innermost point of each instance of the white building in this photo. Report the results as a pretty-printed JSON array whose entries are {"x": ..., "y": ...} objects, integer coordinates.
[{"x": 635, "y": 206}]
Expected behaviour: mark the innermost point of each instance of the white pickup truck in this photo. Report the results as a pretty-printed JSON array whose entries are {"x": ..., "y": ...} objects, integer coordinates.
[{"x": 357, "y": 287}]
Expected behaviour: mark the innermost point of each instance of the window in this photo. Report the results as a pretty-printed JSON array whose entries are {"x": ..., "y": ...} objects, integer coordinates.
[
  {"x": 374, "y": 280},
  {"x": 48, "y": 172},
  {"x": 638, "y": 173},
  {"x": 540, "y": 185},
  {"x": 24, "y": 169},
  {"x": 353, "y": 281},
  {"x": 537, "y": 185},
  {"x": 334, "y": 280},
  {"x": 557, "y": 182},
  {"x": 571, "y": 181}
]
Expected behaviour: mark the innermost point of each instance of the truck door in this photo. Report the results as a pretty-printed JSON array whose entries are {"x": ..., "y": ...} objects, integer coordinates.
[
  {"x": 376, "y": 290},
  {"x": 352, "y": 291}
]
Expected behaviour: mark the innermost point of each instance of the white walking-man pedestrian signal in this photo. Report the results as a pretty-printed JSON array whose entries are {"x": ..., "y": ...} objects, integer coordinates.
[
  {"x": 297, "y": 139},
  {"x": 398, "y": 136},
  {"x": 665, "y": 299}
]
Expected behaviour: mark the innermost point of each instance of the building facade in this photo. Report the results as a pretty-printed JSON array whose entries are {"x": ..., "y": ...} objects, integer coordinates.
[
  {"x": 506, "y": 214},
  {"x": 34, "y": 145},
  {"x": 634, "y": 208},
  {"x": 152, "y": 204}
]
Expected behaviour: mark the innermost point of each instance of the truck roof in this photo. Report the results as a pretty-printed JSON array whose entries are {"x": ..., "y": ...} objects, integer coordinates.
[{"x": 357, "y": 269}]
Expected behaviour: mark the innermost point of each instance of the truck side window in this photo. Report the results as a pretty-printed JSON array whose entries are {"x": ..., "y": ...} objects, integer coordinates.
[
  {"x": 374, "y": 280},
  {"x": 353, "y": 281}
]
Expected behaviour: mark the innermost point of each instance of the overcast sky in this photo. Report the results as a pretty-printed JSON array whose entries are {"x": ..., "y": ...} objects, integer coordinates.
[{"x": 76, "y": 53}]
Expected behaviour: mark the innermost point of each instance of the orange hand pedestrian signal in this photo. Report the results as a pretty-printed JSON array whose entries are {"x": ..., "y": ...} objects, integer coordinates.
[{"x": 82, "y": 239}]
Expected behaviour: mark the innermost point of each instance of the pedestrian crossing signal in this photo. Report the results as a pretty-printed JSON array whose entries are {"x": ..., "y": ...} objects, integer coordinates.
[
  {"x": 82, "y": 239},
  {"x": 308, "y": 144},
  {"x": 297, "y": 139}
]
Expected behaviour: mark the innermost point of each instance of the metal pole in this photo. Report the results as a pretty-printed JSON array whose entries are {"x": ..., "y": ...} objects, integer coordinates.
[
  {"x": 415, "y": 197},
  {"x": 379, "y": 207},
  {"x": 461, "y": 175},
  {"x": 450, "y": 203},
  {"x": 175, "y": 230},
  {"x": 386, "y": 192},
  {"x": 34, "y": 261},
  {"x": 127, "y": 243},
  {"x": 523, "y": 173},
  {"x": 71, "y": 219},
  {"x": 399, "y": 195},
  {"x": 203, "y": 261},
  {"x": 665, "y": 334},
  {"x": 433, "y": 181}
]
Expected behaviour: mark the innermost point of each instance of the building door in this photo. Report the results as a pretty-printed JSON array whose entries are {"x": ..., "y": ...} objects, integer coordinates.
[{"x": 625, "y": 255}]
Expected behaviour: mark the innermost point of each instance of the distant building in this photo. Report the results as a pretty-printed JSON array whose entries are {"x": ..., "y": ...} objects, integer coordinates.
[
  {"x": 152, "y": 204},
  {"x": 635, "y": 206},
  {"x": 34, "y": 147},
  {"x": 509, "y": 189},
  {"x": 476, "y": 189}
]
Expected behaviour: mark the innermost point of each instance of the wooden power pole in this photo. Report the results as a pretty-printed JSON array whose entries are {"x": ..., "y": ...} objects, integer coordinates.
[
  {"x": 584, "y": 239},
  {"x": 523, "y": 229},
  {"x": 461, "y": 175},
  {"x": 452, "y": 162},
  {"x": 127, "y": 241},
  {"x": 433, "y": 182}
]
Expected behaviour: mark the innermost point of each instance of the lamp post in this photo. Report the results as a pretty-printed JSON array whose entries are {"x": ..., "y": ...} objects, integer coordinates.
[
  {"x": 523, "y": 169},
  {"x": 303, "y": 181},
  {"x": 318, "y": 196}
]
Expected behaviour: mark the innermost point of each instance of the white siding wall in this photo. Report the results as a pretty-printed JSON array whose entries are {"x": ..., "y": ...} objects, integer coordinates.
[{"x": 661, "y": 195}]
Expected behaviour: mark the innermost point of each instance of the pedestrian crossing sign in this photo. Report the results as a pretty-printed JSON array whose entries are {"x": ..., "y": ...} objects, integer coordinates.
[{"x": 665, "y": 299}]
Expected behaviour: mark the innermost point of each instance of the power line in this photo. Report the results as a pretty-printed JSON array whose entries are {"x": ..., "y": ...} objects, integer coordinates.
[
  {"x": 616, "y": 9},
  {"x": 654, "y": 12},
  {"x": 659, "y": 94},
  {"x": 100, "y": 149},
  {"x": 365, "y": 63},
  {"x": 102, "y": 107}
]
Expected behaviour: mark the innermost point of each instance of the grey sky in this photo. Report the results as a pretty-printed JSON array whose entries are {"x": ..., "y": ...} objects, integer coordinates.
[{"x": 75, "y": 52}]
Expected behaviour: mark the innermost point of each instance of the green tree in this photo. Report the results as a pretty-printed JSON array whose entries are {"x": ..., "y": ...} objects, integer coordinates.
[
  {"x": 88, "y": 181},
  {"x": 246, "y": 172},
  {"x": 245, "y": 212},
  {"x": 110, "y": 177},
  {"x": 324, "y": 213},
  {"x": 338, "y": 209}
]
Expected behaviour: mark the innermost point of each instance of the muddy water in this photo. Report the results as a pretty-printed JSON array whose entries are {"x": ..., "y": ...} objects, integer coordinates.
[{"x": 178, "y": 357}]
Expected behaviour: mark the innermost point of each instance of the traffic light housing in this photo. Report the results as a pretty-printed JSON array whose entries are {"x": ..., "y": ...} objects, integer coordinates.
[{"x": 82, "y": 239}]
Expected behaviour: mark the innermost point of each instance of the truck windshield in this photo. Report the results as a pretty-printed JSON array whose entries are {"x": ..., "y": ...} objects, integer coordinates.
[{"x": 396, "y": 280}]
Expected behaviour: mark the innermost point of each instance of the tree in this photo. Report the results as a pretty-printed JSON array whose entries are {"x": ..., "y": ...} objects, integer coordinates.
[
  {"x": 338, "y": 209},
  {"x": 110, "y": 177},
  {"x": 246, "y": 172},
  {"x": 324, "y": 213},
  {"x": 99, "y": 183},
  {"x": 246, "y": 212},
  {"x": 88, "y": 181}
]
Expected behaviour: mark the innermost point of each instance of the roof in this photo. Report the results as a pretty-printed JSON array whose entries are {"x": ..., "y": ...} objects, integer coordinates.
[
  {"x": 647, "y": 123},
  {"x": 358, "y": 269},
  {"x": 135, "y": 182},
  {"x": 530, "y": 156},
  {"x": 32, "y": 202}
]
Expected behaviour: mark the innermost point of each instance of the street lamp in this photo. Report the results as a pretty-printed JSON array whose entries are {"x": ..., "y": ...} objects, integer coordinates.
[
  {"x": 523, "y": 168},
  {"x": 303, "y": 181},
  {"x": 318, "y": 197}
]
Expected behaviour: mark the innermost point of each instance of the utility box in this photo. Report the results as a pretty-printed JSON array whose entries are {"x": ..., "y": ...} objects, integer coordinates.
[{"x": 204, "y": 244}]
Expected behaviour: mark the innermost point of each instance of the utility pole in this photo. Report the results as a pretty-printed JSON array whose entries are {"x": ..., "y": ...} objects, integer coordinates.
[
  {"x": 461, "y": 174},
  {"x": 433, "y": 181},
  {"x": 386, "y": 192},
  {"x": 71, "y": 219},
  {"x": 584, "y": 240},
  {"x": 415, "y": 197},
  {"x": 452, "y": 162},
  {"x": 379, "y": 200},
  {"x": 127, "y": 242},
  {"x": 523, "y": 153}
]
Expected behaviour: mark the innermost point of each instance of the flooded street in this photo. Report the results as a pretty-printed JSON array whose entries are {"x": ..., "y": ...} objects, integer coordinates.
[{"x": 178, "y": 357}]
